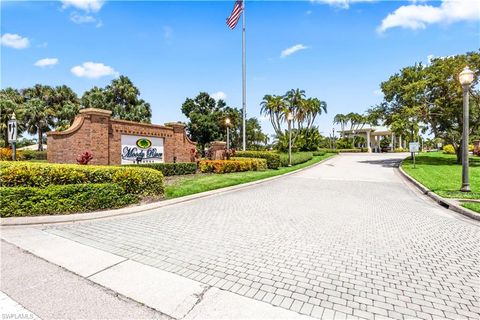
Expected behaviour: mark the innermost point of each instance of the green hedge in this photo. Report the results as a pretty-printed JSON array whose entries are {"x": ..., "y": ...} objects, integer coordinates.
[
  {"x": 353, "y": 150},
  {"x": 297, "y": 158},
  {"x": 325, "y": 150},
  {"x": 273, "y": 159},
  {"x": 143, "y": 181},
  {"x": 171, "y": 169},
  {"x": 233, "y": 165},
  {"x": 34, "y": 155},
  {"x": 61, "y": 199}
]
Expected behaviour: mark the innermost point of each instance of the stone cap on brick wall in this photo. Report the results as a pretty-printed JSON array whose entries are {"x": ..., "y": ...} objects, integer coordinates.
[
  {"x": 175, "y": 124},
  {"x": 76, "y": 125},
  {"x": 96, "y": 111}
]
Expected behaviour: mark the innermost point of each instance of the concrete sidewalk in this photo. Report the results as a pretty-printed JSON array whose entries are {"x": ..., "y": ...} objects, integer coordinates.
[{"x": 59, "y": 278}]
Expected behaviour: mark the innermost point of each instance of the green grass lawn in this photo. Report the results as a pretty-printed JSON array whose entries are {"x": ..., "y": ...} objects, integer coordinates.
[
  {"x": 440, "y": 173},
  {"x": 204, "y": 182},
  {"x": 475, "y": 206}
]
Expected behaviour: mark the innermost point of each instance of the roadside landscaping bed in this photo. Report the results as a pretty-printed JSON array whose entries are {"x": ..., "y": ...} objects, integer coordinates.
[
  {"x": 29, "y": 189},
  {"x": 183, "y": 186},
  {"x": 441, "y": 174}
]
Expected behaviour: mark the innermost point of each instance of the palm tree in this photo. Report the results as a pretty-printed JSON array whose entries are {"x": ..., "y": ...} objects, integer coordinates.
[
  {"x": 312, "y": 107},
  {"x": 39, "y": 110},
  {"x": 274, "y": 107},
  {"x": 342, "y": 120},
  {"x": 294, "y": 99}
]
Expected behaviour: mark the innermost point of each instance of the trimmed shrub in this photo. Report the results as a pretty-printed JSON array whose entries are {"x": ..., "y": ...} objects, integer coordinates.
[
  {"x": 6, "y": 154},
  {"x": 170, "y": 169},
  {"x": 448, "y": 149},
  {"x": 297, "y": 158},
  {"x": 326, "y": 150},
  {"x": 61, "y": 199},
  {"x": 34, "y": 155},
  {"x": 233, "y": 165},
  {"x": 319, "y": 153},
  {"x": 143, "y": 181},
  {"x": 353, "y": 150},
  {"x": 273, "y": 159}
]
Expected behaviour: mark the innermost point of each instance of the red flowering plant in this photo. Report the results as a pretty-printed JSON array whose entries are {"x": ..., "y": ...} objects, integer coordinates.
[{"x": 85, "y": 158}]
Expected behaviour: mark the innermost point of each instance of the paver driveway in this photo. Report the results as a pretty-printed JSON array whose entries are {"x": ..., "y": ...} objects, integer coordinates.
[{"x": 345, "y": 238}]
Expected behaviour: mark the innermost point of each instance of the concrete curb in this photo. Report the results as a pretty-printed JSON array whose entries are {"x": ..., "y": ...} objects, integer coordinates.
[
  {"x": 449, "y": 204},
  {"x": 79, "y": 217}
]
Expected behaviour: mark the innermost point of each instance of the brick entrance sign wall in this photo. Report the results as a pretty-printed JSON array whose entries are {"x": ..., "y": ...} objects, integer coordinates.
[{"x": 94, "y": 130}]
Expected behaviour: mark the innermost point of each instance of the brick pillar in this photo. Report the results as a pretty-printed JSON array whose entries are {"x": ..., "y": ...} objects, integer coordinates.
[
  {"x": 182, "y": 145},
  {"x": 95, "y": 135}
]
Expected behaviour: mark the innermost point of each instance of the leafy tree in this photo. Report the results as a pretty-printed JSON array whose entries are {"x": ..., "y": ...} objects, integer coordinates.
[
  {"x": 207, "y": 122},
  {"x": 94, "y": 98},
  {"x": 255, "y": 137},
  {"x": 431, "y": 95},
  {"x": 205, "y": 118},
  {"x": 122, "y": 98},
  {"x": 66, "y": 105}
]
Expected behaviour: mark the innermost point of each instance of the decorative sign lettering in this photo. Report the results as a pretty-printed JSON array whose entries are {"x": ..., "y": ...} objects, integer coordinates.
[
  {"x": 12, "y": 131},
  {"x": 138, "y": 149}
]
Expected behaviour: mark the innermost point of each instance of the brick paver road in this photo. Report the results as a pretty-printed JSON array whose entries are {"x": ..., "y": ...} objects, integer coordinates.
[{"x": 345, "y": 239}]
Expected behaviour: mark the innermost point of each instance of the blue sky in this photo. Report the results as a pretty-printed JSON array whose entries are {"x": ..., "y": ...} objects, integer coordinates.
[{"x": 173, "y": 50}]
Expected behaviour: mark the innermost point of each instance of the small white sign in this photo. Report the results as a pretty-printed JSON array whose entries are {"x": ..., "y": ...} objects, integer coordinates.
[
  {"x": 12, "y": 131},
  {"x": 139, "y": 149},
  {"x": 414, "y": 146}
]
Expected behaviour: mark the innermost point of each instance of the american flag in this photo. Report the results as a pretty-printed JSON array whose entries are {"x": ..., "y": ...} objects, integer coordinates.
[{"x": 235, "y": 15}]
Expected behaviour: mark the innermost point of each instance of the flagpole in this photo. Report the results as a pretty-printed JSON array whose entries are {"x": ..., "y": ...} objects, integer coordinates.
[{"x": 244, "y": 71}]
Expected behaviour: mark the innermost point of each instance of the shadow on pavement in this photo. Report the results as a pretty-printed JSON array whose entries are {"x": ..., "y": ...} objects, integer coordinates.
[{"x": 387, "y": 163}]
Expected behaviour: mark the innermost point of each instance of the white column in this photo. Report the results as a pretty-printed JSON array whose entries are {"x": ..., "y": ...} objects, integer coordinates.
[{"x": 369, "y": 147}]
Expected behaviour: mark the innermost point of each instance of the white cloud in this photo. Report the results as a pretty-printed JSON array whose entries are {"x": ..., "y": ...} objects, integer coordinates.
[
  {"x": 220, "y": 95},
  {"x": 93, "y": 70},
  {"x": 344, "y": 4},
  {"x": 14, "y": 41},
  {"x": 292, "y": 50},
  {"x": 47, "y": 62},
  {"x": 85, "y": 5},
  {"x": 79, "y": 18},
  {"x": 419, "y": 16}
]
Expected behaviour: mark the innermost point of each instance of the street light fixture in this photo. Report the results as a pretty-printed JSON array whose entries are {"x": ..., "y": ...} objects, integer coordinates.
[
  {"x": 227, "y": 123},
  {"x": 466, "y": 79},
  {"x": 289, "y": 120}
]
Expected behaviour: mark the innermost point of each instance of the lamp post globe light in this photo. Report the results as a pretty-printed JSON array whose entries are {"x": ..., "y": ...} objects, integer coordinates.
[
  {"x": 227, "y": 123},
  {"x": 466, "y": 79},
  {"x": 289, "y": 120}
]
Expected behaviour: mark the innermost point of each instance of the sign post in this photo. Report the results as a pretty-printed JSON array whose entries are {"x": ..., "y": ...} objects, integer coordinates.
[
  {"x": 12, "y": 135},
  {"x": 414, "y": 147}
]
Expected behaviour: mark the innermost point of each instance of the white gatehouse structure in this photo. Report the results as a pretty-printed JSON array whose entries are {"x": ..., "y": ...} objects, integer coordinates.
[{"x": 373, "y": 137}]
